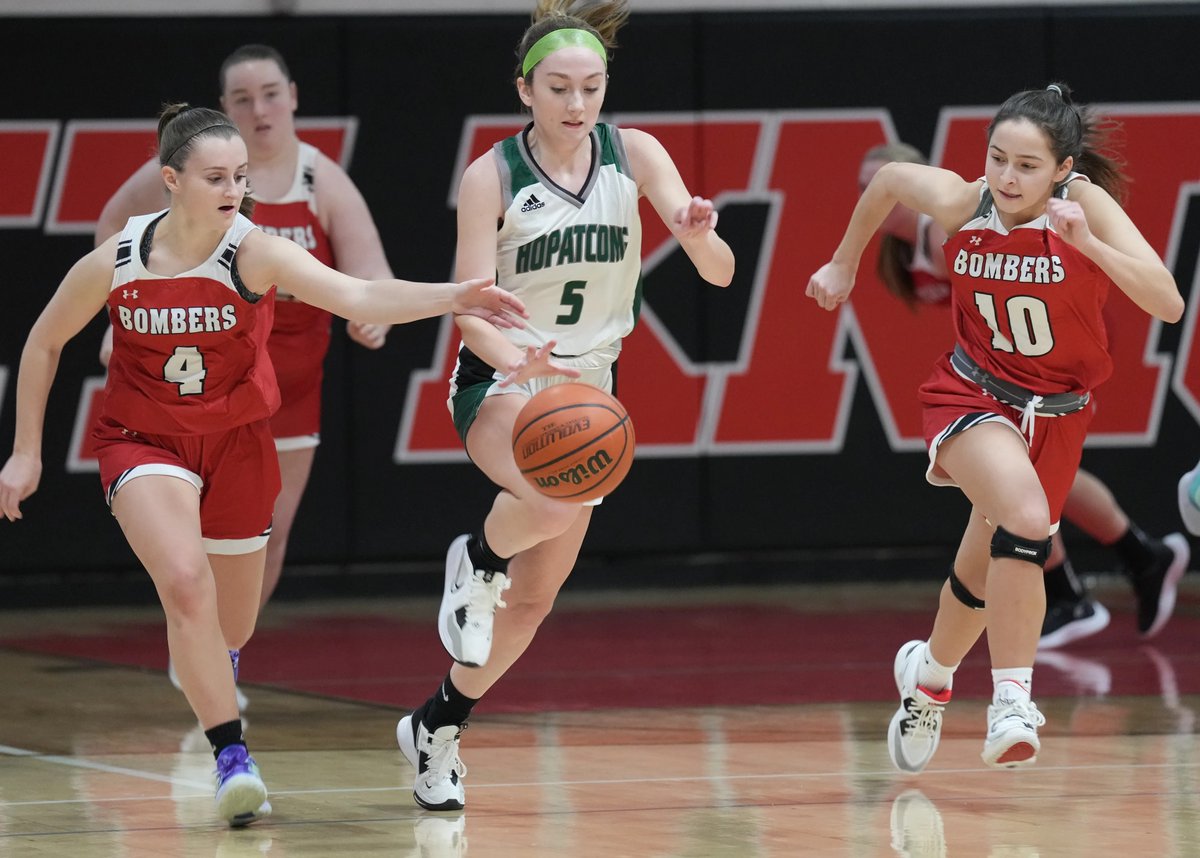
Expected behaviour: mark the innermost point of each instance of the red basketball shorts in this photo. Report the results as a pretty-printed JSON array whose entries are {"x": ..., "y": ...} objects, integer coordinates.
[
  {"x": 299, "y": 358},
  {"x": 952, "y": 404},
  {"x": 236, "y": 473}
]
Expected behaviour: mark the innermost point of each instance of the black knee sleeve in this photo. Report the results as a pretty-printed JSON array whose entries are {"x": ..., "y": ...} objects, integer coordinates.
[
  {"x": 960, "y": 591},
  {"x": 1005, "y": 544}
]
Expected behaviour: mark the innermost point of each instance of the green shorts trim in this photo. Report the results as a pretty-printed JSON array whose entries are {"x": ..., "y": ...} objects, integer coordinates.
[{"x": 465, "y": 406}]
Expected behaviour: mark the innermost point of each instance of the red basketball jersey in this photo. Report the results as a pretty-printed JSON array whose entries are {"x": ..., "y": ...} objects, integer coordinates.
[
  {"x": 294, "y": 216},
  {"x": 189, "y": 352},
  {"x": 1027, "y": 306}
]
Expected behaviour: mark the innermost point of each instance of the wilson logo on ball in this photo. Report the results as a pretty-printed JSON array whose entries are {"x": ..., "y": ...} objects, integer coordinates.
[
  {"x": 573, "y": 442},
  {"x": 577, "y": 475}
]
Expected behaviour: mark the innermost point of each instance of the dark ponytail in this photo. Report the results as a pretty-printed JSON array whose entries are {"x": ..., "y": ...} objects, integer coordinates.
[
  {"x": 180, "y": 126},
  {"x": 1072, "y": 131}
]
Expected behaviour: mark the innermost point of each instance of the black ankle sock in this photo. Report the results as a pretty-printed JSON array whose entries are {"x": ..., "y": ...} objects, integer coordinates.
[
  {"x": 1135, "y": 549},
  {"x": 447, "y": 706},
  {"x": 224, "y": 735},
  {"x": 483, "y": 557},
  {"x": 1062, "y": 585}
]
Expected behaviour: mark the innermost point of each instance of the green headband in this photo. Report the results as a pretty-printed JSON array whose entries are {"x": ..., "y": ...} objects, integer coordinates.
[{"x": 564, "y": 38}]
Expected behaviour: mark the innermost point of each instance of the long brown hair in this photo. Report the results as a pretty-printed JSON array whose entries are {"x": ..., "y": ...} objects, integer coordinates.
[
  {"x": 601, "y": 18},
  {"x": 180, "y": 126},
  {"x": 1071, "y": 130},
  {"x": 896, "y": 254}
]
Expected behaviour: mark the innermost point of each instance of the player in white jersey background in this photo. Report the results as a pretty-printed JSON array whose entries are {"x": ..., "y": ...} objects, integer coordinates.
[
  {"x": 565, "y": 194},
  {"x": 1033, "y": 249}
]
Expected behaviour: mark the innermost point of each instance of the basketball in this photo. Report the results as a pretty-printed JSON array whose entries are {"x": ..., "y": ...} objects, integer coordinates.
[{"x": 573, "y": 442}]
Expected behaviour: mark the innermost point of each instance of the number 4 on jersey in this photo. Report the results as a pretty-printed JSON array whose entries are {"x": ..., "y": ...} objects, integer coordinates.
[{"x": 186, "y": 368}]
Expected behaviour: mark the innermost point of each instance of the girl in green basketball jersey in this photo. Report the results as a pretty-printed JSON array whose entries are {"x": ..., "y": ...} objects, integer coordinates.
[{"x": 565, "y": 192}]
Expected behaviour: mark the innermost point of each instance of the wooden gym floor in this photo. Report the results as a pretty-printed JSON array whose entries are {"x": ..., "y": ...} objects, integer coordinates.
[{"x": 694, "y": 723}]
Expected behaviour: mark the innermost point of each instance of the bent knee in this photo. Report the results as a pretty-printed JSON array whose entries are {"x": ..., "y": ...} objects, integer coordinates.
[{"x": 1030, "y": 519}]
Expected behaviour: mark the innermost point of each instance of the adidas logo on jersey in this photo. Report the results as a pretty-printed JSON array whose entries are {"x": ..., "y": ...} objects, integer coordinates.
[{"x": 532, "y": 204}]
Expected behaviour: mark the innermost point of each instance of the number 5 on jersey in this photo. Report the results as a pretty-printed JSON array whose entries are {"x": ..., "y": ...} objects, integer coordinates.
[
  {"x": 186, "y": 368},
  {"x": 572, "y": 300}
]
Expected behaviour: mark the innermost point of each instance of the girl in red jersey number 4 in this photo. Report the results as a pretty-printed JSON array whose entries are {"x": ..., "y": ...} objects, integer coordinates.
[
  {"x": 184, "y": 443},
  {"x": 1032, "y": 249}
]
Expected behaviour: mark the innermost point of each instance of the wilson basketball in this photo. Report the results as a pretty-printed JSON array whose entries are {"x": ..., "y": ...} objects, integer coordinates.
[{"x": 573, "y": 442}]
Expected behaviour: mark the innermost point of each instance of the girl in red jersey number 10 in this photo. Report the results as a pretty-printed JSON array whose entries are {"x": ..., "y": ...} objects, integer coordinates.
[
  {"x": 184, "y": 446},
  {"x": 1032, "y": 249}
]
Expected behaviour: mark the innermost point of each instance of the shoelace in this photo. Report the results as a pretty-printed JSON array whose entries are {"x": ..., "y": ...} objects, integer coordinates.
[
  {"x": 234, "y": 764},
  {"x": 1028, "y": 415},
  {"x": 1026, "y": 711},
  {"x": 486, "y": 595},
  {"x": 443, "y": 758},
  {"x": 924, "y": 719}
]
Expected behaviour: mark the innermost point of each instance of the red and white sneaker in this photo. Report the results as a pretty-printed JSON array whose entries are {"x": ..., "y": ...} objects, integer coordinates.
[{"x": 916, "y": 727}]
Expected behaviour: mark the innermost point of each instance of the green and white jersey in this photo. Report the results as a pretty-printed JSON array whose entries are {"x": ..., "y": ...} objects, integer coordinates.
[{"x": 574, "y": 259}]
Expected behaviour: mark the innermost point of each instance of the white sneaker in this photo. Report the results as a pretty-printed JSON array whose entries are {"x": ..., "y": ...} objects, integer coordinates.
[
  {"x": 917, "y": 829},
  {"x": 469, "y": 604},
  {"x": 916, "y": 727},
  {"x": 1012, "y": 738},
  {"x": 438, "y": 784},
  {"x": 1188, "y": 510}
]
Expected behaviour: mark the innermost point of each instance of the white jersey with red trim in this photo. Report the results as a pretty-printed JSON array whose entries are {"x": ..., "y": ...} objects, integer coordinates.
[
  {"x": 189, "y": 352},
  {"x": 1027, "y": 305}
]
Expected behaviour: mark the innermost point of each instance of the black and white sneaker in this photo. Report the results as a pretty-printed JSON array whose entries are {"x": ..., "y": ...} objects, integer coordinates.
[
  {"x": 469, "y": 602},
  {"x": 916, "y": 728},
  {"x": 438, "y": 784},
  {"x": 1068, "y": 621},
  {"x": 1155, "y": 584}
]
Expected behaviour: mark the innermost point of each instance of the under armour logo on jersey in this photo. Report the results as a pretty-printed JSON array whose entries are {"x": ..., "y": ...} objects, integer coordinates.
[
  {"x": 976, "y": 240},
  {"x": 129, "y": 293},
  {"x": 532, "y": 204}
]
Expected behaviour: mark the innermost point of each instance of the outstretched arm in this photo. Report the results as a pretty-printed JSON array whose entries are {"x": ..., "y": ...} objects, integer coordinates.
[
  {"x": 267, "y": 259},
  {"x": 692, "y": 220}
]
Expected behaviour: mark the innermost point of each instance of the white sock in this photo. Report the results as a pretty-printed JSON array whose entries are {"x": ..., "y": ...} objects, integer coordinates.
[
  {"x": 1012, "y": 684},
  {"x": 934, "y": 676}
]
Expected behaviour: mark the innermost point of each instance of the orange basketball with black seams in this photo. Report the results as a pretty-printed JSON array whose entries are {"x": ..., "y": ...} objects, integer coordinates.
[{"x": 573, "y": 442}]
